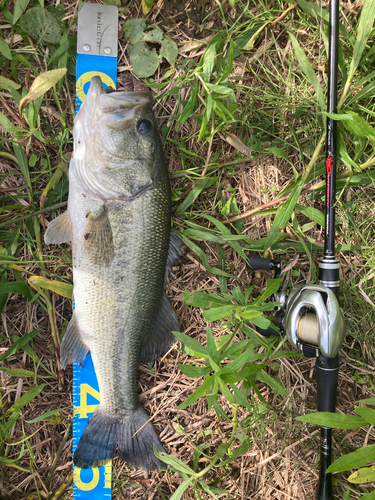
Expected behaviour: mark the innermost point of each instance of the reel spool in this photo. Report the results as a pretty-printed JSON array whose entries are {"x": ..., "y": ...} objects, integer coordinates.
[{"x": 314, "y": 322}]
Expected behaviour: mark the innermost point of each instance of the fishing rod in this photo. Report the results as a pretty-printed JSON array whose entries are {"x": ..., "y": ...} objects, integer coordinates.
[{"x": 310, "y": 314}]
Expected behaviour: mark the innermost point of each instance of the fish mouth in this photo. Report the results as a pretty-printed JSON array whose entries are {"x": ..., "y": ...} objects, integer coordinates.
[
  {"x": 121, "y": 101},
  {"x": 119, "y": 120}
]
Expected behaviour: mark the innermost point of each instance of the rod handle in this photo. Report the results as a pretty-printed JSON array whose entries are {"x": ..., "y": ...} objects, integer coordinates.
[{"x": 327, "y": 372}]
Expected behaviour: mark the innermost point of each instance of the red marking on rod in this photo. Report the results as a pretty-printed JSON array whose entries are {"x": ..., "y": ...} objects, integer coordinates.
[
  {"x": 329, "y": 172},
  {"x": 329, "y": 166}
]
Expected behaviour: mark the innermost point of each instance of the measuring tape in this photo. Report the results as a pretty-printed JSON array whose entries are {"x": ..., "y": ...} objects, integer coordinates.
[{"x": 96, "y": 56}]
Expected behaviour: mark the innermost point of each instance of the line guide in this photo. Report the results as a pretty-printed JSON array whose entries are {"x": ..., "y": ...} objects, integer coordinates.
[{"x": 97, "y": 38}]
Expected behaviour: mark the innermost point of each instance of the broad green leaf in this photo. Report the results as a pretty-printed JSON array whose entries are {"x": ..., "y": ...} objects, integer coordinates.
[
  {"x": 16, "y": 287},
  {"x": 363, "y": 476},
  {"x": 64, "y": 46},
  {"x": 309, "y": 72},
  {"x": 177, "y": 495},
  {"x": 312, "y": 213},
  {"x": 369, "y": 496},
  {"x": 3, "y": 298},
  {"x": 365, "y": 24},
  {"x": 368, "y": 401},
  {"x": 4, "y": 49},
  {"x": 283, "y": 215},
  {"x": 198, "y": 393},
  {"x": 240, "y": 42},
  {"x": 250, "y": 43},
  {"x": 196, "y": 249},
  {"x": 249, "y": 314},
  {"x": 240, "y": 397},
  {"x": 354, "y": 460},
  {"x": 25, "y": 399},
  {"x": 146, "y": 5},
  {"x": 366, "y": 413},
  {"x": 355, "y": 124},
  {"x": 144, "y": 60},
  {"x": 17, "y": 372},
  {"x": 151, "y": 34},
  {"x": 63, "y": 289},
  {"x": 195, "y": 192},
  {"x": 334, "y": 420},
  {"x": 133, "y": 27},
  {"x": 189, "y": 106},
  {"x": 225, "y": 391},
  {"x": 280, "y": 153},
  {"x": 5, "y": 83},
  {"x": 272, "y": 286},
  {"x": 169, "y": 50},
  {"x": 41, "y": 85},
  {"x": 174, "y": 462},
  {"x": 226, "y": 232},
  {"x": 212, "y": 393},
  {"x": 261, "y": 322},
  {"x": 238, "y": 295},
  {"x": 235, "y": 365},
  {"x": 241, "y": 450},
  {"x": 366, "y": 93},
  {"x": 211, "y": 346},
  {"x": 46, "y": 415},
  {"x": 275, "y": 385},
  {"x": 191, "y": 343},
  {"x": 218, "y": 313},
  {"x": 18, "y": 344},
  {"x": 19, "y": 8},
  {"x": 194, "y": 371},
  {"x": 19, "y": 151},
  {"x": 209, "y": 57},
  {"x": 229, "y": 64},
  {"x": 42, "y": 25},
  {"x": 204, "y": 300},
  {"x": 7, "y": 125},
  {"x": 219, "y": 89}
]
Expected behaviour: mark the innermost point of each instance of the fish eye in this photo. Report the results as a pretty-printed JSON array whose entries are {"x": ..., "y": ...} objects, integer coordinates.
[{"x": 144, "y": 127}]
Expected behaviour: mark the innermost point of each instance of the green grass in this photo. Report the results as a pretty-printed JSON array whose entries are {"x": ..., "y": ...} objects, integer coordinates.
[{"x": 242, "y": 122}]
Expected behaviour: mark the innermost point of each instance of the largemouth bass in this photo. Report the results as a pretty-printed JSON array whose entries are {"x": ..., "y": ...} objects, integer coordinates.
[{"x": 119, "y": 222}]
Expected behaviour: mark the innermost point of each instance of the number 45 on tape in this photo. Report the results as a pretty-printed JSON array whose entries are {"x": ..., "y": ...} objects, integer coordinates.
[{"x": 96, "y": 55}]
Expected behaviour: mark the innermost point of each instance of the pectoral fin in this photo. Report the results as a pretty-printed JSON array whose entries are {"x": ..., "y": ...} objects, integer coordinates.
[
  {"x": 59, "y": 230},
  {"x": 98, "y": 238}
]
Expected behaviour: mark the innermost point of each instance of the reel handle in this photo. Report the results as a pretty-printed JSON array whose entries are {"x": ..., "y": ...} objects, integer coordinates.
[{"x": 257, "y": 263}]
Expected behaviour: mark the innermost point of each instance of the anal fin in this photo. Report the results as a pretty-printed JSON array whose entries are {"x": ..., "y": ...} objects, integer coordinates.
[
  {"x": 160, "y": 337},
  {"x": 59, "y": 230},
  {"x": 174, "y": 252},
  {"x": 72, "y": 346}
]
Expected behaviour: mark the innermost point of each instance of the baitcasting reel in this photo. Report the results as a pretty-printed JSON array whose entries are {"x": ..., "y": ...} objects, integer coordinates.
[{"x": 309, "y": 314}]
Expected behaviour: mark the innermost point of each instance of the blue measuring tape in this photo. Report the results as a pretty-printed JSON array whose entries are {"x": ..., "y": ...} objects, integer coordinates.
[{"x": 96, "y": 55}]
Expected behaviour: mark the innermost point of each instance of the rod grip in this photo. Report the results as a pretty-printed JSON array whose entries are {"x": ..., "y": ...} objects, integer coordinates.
[{"x": 327, "y": 371}]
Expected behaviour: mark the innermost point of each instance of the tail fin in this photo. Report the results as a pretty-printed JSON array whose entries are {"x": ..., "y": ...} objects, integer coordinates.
[{"x": 104, "y": 435}]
